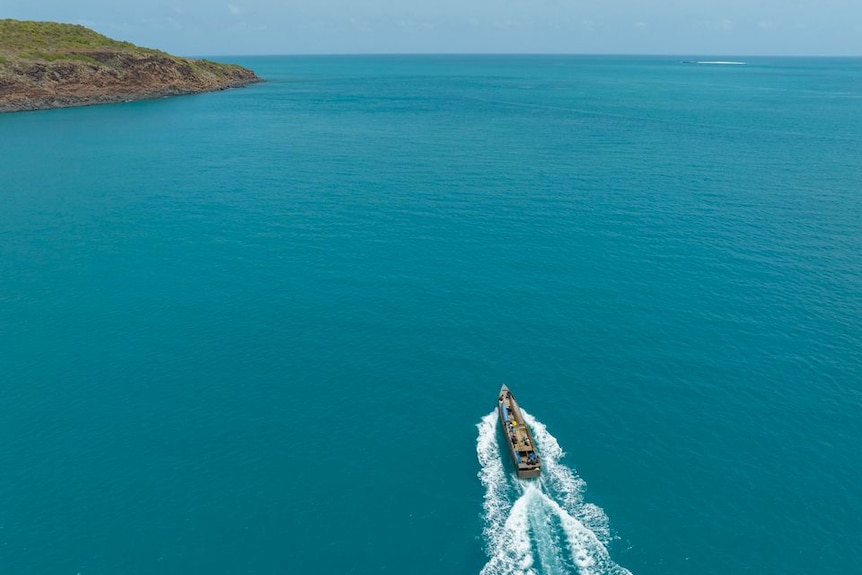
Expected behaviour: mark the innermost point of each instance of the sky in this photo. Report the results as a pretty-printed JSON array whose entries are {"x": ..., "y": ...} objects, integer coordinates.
[{"x": 683, "y": 27}]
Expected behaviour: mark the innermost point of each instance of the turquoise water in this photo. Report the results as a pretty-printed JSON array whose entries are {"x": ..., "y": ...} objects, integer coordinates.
[{"x": 262, "y": 330}]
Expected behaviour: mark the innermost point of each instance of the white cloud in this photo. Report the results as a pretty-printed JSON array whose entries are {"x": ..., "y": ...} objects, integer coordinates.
[
  {"x": 246, "y": 27},
  {"x": 162, "y": 23},
  {"x": 360, "y": 24},
  {"x": 723, "y": 25},
  {"x": 511, "y": 24},
  {"x": 415, "y": 25},
  {"x": 234, "y": 9}
]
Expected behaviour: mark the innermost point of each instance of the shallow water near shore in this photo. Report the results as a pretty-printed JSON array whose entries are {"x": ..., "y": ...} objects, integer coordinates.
[{"x": 262, "y": 330}]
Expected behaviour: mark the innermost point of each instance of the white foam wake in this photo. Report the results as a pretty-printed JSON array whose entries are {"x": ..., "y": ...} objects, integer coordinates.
[{"x": 543, "y": 527}]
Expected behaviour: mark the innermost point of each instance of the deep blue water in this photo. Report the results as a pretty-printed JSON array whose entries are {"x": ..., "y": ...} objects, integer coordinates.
[{"x": 262, "y": 330}]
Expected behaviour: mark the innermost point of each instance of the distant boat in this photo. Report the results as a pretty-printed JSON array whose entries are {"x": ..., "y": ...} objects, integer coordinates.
[
  {"x": 715, "y": 62},
  {"x": 518, "y": 436}
]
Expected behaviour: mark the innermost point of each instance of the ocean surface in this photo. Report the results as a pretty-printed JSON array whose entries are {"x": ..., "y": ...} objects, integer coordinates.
[{"x": 262, "y": 331}]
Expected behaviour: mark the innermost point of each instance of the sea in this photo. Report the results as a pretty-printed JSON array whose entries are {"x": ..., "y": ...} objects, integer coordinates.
[{"x": 263, "y": 330}]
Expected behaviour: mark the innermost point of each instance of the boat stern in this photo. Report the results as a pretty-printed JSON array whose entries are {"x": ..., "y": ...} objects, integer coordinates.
[{"x": 530, "y": 473}]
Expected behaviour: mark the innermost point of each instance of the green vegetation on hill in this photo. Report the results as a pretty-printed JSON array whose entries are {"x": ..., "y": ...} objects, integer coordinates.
[{"x": 52, "y": 40}]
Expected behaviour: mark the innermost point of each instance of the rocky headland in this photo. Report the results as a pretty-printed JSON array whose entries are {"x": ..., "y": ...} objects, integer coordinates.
[{"x": 50, "y": 65}]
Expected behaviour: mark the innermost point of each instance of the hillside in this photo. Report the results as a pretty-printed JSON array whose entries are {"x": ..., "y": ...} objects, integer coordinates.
[{"x": 51, "y": 65}]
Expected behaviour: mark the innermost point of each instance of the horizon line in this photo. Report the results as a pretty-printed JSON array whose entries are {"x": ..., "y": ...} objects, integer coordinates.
[{"x": 579, "y": 54}]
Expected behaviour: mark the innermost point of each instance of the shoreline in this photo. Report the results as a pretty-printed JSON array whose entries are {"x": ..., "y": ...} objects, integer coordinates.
[{"x": 35, "y": 102}]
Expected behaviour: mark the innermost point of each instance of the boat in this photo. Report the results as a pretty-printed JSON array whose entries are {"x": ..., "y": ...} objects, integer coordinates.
[{"x": 518, "y": 437}]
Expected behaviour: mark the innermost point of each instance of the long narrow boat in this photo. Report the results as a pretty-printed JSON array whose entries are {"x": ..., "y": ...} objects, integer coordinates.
[{"x": 518, "y": 436}]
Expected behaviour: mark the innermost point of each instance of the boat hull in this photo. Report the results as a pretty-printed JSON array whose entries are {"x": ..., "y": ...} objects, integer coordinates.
[{"x": 519, "y": 439}]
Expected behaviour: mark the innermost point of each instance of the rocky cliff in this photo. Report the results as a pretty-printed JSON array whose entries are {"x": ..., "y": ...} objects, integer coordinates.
[{"x": 49, "y": 65}]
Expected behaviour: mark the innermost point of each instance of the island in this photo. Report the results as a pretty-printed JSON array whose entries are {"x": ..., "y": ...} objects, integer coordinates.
[{"x": 52, "y": 65}]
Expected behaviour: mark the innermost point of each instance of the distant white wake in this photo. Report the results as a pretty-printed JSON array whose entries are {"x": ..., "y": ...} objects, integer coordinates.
[{"x": 539, "y": 527}]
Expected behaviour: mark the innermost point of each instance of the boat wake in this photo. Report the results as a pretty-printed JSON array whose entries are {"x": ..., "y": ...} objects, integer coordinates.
[{"x": 539, "y": 526}]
